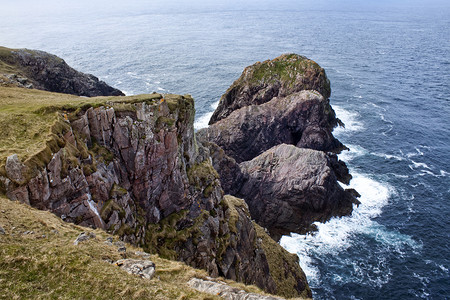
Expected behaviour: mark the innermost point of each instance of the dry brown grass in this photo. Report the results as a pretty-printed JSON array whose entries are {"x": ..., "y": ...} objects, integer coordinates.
[{"x": 46, "y": 264}]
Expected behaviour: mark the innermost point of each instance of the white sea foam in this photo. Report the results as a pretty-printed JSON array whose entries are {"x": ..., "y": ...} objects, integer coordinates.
[
  {"x": 337, "y": 234},
  {"x": 416, "y": 165},
  {"x": 350, "y": 120},
  {"x": 388, "y": 156},
  {"x": 354, "y": 151},
  {"x": 202, "y": 121}
]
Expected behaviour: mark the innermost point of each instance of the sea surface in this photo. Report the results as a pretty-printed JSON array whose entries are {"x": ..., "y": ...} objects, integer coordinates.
[{"x": 389, "y": 66}]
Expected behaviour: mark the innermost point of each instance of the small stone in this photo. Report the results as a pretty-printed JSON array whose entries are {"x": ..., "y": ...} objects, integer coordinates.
[
  {"x": 119, "y": 244},
  {"x": 122, "y": 249},
  {"x": 55, "y": 231},
  {"x": 109, "y": 239},
  {"x": 143, "y": 268},
  {"x": 2, "y": 230},
  {"x": 84, "y": 237},
  {"x": 144, "y": 255}
]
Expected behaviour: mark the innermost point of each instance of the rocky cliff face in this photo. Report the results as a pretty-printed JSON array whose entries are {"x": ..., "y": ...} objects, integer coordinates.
[
  {"x": 301, "y": 119},
  {"x": 287, "y": 187},
  {"x": 280, "y": 77},
  {"x": 134, "y": 168},
  {"x": 44, "y": 71}
]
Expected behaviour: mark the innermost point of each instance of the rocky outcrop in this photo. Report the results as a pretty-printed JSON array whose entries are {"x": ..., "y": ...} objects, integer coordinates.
[
  {"x": 84, "y": 236},
  {"x": 225, "y": 291},
  {"x": 271, "y": 142},
  {"x": 44, "y": 71},
  {"x": 288, "y": 188},
  {"x": 261, "y": 82},
  {"x": 142, "y": 268},
  {"x": 133, "y": 167},
  {"x": 301, "y": 119}
]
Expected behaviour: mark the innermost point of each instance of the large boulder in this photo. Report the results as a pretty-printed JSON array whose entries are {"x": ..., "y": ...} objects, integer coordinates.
[
  {"x": 304, "y": 119},
  {"x": 288, "y": 188},
  {"x": 282, "y": 76},
  {"x": 44, "y": 71}
]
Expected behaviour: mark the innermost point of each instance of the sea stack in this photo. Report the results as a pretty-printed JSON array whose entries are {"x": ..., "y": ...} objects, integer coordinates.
[{"x": 272, "y": 144}]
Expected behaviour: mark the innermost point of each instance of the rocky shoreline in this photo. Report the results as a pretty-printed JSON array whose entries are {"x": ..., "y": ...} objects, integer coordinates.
[{"x": 135, "y": 167}]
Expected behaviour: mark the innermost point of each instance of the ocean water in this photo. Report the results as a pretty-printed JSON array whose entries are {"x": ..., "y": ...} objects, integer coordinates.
[{"x": 389, "y": 66}]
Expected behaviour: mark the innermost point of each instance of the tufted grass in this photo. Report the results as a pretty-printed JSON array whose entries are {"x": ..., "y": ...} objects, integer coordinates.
[
  {"x": 27, "y": 116},
  {"x": 46, "y": 264}
]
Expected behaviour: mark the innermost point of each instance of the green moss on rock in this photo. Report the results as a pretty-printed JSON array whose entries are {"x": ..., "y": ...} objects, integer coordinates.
[{"x": 284, "y": 267}]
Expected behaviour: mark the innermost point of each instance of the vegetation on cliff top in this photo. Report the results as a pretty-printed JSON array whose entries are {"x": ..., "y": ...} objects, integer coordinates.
[
  {"x": 28, "y": 117},
  {"x": 284, "y": 68},
  {"x": 38, "y": 260}
]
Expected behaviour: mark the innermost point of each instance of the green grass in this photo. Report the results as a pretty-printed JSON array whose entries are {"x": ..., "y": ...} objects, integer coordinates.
[
  {"x": 46, "y": 264},
  {"x": 284, "y": 68},
  {"x": 28, "y": 117}
]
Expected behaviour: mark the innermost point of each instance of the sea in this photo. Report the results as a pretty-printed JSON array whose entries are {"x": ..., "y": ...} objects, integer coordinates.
[{"x": 389, "y": 67}]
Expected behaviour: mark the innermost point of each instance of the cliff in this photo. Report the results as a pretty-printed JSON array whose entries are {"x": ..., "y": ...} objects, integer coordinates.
[
  {"x": 44, "y": 71},
  {"x": 271, "y": 142},
  {"x": 263, "y": 81},
  {"x": 39, "y": 260},
  {"x": 132, "y": 166}
]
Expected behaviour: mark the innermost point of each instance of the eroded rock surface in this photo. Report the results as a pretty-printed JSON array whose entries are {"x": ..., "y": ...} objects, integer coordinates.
[
  {"x": 261, "y": 82},
  {"x": 44, "y": 71},
  {"x": 225, "y": 291},
  {"x": 288, "y": 188},
  {"x": 142, "y": 268},
  {"x": 271, "y": 142},
  {"x": 304, "y": 119},
  {"x": 135, "y": 169}
]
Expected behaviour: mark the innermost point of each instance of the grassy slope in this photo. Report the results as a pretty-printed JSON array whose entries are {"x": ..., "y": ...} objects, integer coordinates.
[
  {"x": 46, "y": 264},
  {"x": 26, "y": 117}
]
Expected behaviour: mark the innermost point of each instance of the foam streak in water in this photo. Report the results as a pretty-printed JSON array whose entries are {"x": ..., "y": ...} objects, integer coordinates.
[{"x": 203, "y": 120}]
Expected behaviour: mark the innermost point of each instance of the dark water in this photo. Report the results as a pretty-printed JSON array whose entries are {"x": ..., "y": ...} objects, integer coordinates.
[{"x": 389, "y": 65}]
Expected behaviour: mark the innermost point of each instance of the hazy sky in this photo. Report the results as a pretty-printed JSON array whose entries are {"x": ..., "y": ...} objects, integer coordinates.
[{"x": 47, "y": 7}]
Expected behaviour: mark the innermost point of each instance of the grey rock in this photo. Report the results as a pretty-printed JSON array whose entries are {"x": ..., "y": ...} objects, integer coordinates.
[
  {"x": 144, "y": 255},
  {"x": 143, "y": 268},
  {"x": 84, "y": 236},
  {"x": 301, "y": 119},
  {"x": 288, "y": 188},
  {"x": 119, "y": 244},
  {"x": 2, "y": 230},
  {"x": 122, "y": 249},
  {"x": 15, "y": 169},
  {"x": 282, "y": 76},
  {"x": 225, "y": 291},
  {"x": 48, "y": 72}
]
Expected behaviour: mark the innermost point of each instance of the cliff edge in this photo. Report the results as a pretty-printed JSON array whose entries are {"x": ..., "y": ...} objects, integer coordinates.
[
  {"x": 41, "y": 70},
  {"x": 132, "y": 166}
]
